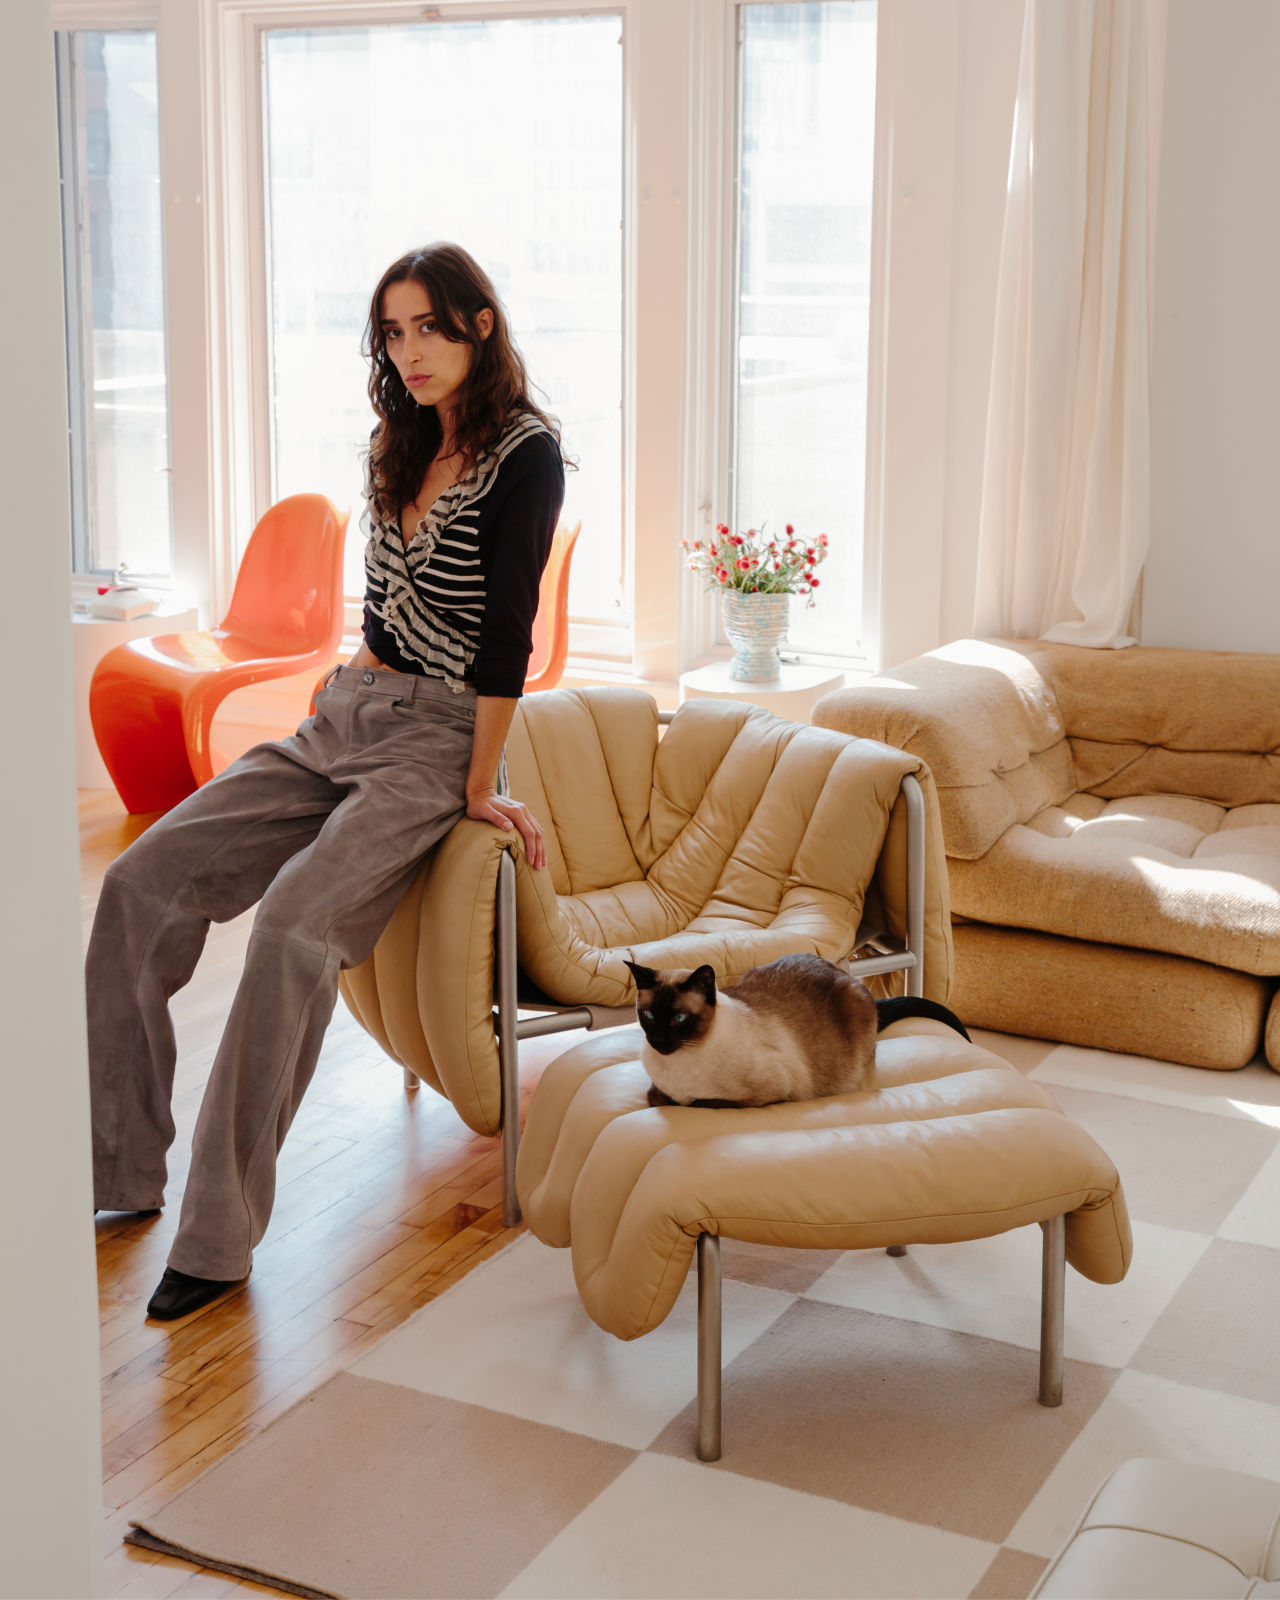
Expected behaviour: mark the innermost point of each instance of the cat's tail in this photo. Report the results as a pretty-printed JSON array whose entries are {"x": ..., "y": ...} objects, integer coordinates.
[{"x": 900, "y": 1006}]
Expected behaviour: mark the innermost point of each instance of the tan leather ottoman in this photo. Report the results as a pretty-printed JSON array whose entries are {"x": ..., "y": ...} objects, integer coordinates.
[
  {"x": 951, "y": 1144},
  {"x": 1170, "y": 1531}
]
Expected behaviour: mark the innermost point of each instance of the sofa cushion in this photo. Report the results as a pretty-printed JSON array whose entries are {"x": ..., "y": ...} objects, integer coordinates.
[
  {"x": 1160, "y": 721},
  {"x": 981, "y": 714},
  {"x": 1108, "y": 997},
  {"x": 1159, "y": 872},
  {"x": 1008, "y": 726}
]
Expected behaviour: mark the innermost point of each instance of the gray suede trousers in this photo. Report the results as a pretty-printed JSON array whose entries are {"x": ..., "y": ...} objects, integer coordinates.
[{"x": 326, "y": 829}]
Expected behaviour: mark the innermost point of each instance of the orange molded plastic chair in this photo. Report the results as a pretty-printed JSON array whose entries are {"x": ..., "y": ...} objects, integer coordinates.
[
  {"x": 152, "y": 701},
  {"x": 551, "y": 625}
]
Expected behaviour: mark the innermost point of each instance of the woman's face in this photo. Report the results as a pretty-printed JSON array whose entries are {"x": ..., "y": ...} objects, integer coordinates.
[{"x": 432, "y": 366}]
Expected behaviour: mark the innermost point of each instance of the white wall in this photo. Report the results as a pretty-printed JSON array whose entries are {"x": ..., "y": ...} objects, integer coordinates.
[
  {"x": 1212, "y": 580},
  {"x": 1213, "y": 572},
  {"x": 50, "y": 1494}
]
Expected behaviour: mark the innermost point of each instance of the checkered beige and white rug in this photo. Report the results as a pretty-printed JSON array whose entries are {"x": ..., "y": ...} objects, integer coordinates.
[{"x": 881, "y": 1431}]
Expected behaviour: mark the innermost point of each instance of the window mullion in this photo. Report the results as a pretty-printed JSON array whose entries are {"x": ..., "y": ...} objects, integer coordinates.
[
  {"x": 188, "y": 187},
  {"x": 657, "y": 210},
  {"x": 804, "y": 294},
  {"x": 79, "y": 349},
  {"x": 249, "y": 360},
  {"x": 709, "y": 389}
]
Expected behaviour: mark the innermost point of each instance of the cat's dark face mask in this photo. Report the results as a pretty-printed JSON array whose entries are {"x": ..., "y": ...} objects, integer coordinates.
[{"x": 674, "y": 1008}]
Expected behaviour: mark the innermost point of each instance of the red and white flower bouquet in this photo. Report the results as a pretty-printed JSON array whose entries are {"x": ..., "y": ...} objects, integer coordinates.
[{"x": 752, "y": 564}]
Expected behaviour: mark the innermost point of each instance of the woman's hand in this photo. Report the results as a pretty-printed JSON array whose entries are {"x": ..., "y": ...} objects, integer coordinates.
[{"x": 487, "y": 805}]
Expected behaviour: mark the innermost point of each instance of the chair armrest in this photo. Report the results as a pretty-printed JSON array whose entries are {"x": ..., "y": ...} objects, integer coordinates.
[
  {"x": 382, "y": 991},
  {"x": 426, "y": 992},
  {"x": 455, "y": 974},
  {"x": 456, "y": 919},
  {"x": 983, "y": 719}
]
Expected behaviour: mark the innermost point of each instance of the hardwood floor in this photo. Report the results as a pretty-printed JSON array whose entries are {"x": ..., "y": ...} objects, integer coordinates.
[{"x": 385, "y": 1199}]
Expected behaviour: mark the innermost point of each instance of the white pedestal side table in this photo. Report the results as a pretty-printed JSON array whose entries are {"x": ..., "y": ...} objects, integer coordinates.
[
  {"x": 792, "y": 695},
  {"x": 91, "y": 638}
]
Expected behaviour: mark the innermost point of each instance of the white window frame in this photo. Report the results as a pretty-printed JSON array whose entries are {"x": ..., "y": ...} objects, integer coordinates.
[
  {"x": 79, "y": 408},
  {"x": 711, "y": 637},
  {"x": 679, "y": 295},
  {"x": 248, "y": 23},
  {"x": 96, "y": 16}
]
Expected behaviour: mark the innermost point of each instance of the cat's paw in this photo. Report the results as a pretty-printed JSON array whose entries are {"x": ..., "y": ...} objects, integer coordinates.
[{"x": 657, "y": 1098}]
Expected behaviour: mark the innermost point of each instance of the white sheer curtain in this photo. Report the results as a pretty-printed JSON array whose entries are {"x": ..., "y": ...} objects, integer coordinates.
[{"x": 1066, "y": 503}]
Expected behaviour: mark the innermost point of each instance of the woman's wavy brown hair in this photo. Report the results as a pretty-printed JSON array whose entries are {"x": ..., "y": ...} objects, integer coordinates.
[{"x": 496, "y": 387}]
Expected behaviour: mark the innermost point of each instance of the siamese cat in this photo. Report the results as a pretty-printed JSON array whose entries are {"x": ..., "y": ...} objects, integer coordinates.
[{"x": 795, "y": 1029}]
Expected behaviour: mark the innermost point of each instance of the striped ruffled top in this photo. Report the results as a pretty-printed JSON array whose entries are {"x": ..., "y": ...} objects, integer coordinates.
[{"x": 458, "y": 601}]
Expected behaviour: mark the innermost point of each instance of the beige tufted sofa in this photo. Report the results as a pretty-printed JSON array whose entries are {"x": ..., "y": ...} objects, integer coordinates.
[
  {"x": 733, "y": 839},
  {"x": 1112, "y": 827}
]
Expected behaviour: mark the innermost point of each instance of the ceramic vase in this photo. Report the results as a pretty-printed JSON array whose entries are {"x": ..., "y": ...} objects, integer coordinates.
[{"x": 755, "y": 625}]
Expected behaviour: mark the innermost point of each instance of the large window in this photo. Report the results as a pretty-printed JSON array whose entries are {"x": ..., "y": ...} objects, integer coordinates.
[
  {"x": 806, "y": 136},
  {"x": 673, "y": 201},
  {"x": 503, "y": 136},
  {"x": 115, "y": 301}
]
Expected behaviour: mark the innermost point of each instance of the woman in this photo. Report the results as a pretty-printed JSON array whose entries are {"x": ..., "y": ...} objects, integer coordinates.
[{"x": 464, "y": 483}]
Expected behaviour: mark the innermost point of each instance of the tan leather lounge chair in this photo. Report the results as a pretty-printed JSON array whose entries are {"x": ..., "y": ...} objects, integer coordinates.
[{"x": 734, "y": 838}]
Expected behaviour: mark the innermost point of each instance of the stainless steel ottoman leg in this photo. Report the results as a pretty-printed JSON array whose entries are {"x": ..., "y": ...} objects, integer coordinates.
[
  {"x": 708, "y": 1347},
  {"x": 1053, "y": 1295}
]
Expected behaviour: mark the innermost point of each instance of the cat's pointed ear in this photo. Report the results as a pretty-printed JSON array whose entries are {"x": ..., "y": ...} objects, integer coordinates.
[
  {"x": 644, "y": 976},
  {"x": 703, "y": 981}
]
